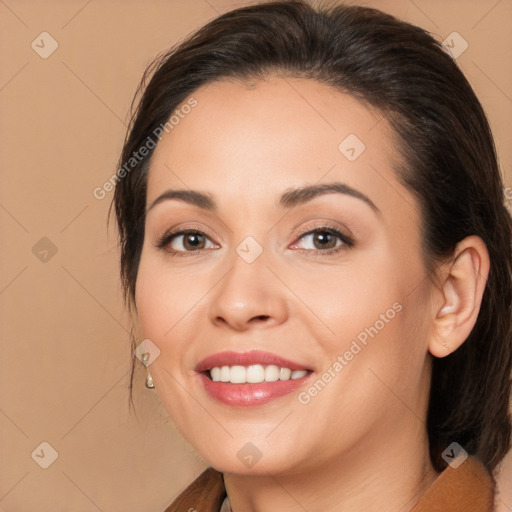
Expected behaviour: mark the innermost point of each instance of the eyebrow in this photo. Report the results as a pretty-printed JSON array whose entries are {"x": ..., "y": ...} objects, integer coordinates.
[
  {"x": 291, "y": 198},
  {"x": 193, "y": 197},
  {"x": 295, "y": 196}
]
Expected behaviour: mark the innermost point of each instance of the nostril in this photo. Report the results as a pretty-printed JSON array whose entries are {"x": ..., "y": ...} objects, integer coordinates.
[{"x": 260, "y": 318}]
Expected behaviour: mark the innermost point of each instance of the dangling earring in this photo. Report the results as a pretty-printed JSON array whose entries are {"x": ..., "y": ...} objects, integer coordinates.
[
  {"x": 146, "y": 352},
  {"x": 149, "y": 379}
]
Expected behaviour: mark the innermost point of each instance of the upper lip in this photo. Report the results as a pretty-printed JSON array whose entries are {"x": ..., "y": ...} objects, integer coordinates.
[{"x": 230, "y": 358}]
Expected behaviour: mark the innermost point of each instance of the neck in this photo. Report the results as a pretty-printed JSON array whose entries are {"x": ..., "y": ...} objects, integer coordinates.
[{"x": 375, "y": 477}]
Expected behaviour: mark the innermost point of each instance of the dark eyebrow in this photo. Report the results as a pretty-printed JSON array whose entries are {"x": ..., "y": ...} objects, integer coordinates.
[
  {"x": 295, "y": 196},
  {"x": 291, "y": 198},
  {"x": 188, "y": 196}
]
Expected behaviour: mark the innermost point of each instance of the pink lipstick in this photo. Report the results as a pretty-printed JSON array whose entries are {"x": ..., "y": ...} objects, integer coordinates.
[{"x": 252, "y": 378}]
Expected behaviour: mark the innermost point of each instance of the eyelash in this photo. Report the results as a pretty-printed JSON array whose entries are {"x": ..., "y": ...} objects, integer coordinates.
[{"x": 347, "y": 242}]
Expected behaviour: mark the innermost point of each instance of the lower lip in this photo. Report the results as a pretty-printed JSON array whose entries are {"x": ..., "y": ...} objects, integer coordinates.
[{"x": 250, "y": 395}]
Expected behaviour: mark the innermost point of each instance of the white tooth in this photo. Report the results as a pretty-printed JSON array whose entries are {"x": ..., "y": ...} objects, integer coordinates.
[
  {"x": 284, "y": 374},
  {"x": 224, "y": 374},
  {"x": 255, "y": 374},
  {"x": 238, "y": 375},
  {"x": 271, "y": 373}
]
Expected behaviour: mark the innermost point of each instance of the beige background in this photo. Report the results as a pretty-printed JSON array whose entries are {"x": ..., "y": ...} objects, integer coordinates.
[{"x": 65, "y": 350}]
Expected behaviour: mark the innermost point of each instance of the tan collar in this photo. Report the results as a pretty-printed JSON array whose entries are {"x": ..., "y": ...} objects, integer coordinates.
[{"x": 469, "y": 488}]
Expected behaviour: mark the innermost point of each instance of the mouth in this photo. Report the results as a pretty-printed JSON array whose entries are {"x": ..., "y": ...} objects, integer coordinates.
[{"x": 250, "y": 378}]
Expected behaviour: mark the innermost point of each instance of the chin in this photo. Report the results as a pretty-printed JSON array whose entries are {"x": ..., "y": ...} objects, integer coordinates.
[{"x": 250, "y": 460}]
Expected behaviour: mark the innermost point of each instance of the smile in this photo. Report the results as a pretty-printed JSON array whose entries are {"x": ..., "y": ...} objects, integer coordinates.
[{"x": 245, "y": 379}]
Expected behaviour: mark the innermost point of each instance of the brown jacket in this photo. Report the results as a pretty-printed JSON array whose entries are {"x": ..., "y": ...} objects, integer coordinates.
[{"x": 469, "y": 488}]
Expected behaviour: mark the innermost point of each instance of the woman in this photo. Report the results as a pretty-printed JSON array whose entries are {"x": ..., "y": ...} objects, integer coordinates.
[{"x": 314, "y": 241}]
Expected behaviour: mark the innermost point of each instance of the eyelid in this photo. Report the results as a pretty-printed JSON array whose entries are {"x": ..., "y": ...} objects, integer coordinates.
[
  {"x": 326, "y": 224},
  {"x": 347, "y": 238}
]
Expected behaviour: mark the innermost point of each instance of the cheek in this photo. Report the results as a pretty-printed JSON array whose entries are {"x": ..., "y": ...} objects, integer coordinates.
[
  {"x": 152, "y": 302},
  {"x": 163, "y": 301},
  {"x": 172, "y": 309},
  {"x": 391, "y": 366},
  {"x": 374, "y": 309},
  {"x": 164, "y": 298},
  {"x": 158, "y": 309},
  {"x": 375, "y": 364},
  {"x": 352, "y": 296}
]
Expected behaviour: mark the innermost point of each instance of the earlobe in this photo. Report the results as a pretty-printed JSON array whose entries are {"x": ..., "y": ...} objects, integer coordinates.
[{"x": 462, "y": 287}]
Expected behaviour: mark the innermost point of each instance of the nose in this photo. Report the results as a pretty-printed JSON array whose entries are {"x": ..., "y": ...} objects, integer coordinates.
[{"x": 249, "y": 296}]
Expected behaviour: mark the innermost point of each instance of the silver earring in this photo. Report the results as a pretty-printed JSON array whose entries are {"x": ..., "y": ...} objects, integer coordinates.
[{"x": 149, "y": 379}]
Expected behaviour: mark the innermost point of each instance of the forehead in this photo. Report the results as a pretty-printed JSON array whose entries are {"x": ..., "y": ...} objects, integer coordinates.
[{"x": 246, "y": 139}]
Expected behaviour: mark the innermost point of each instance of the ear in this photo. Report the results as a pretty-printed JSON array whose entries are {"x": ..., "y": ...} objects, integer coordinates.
[{"x": 462, "y": 287}]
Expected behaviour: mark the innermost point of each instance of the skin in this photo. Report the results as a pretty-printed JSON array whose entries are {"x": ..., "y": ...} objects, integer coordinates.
[{"x": 360, "y": 443}]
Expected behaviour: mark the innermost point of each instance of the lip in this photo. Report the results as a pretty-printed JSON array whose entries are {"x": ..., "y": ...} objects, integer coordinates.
[
  {"x": 249, "y": 395},
  {"x": 230, "y": 358}
]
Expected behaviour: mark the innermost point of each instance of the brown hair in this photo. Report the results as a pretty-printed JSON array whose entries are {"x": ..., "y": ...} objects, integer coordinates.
[{"x": 449, "y": 164}]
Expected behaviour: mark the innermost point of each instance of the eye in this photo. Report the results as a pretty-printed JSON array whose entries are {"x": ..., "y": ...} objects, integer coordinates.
[
  {"x": 323, "y": 239},
  {"x": 186, "y": 241}
]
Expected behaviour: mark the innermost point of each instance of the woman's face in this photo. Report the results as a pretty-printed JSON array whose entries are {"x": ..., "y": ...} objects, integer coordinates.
[{"x": 306, "y": 247}]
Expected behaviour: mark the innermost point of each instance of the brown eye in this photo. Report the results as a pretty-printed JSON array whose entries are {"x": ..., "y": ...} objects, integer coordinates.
[
  {"x": 186, "y": 241},
  {"x": 323, "y": 240},
  {"x": 193, "y": 241},
  {"x": 320, "y": 239}
]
